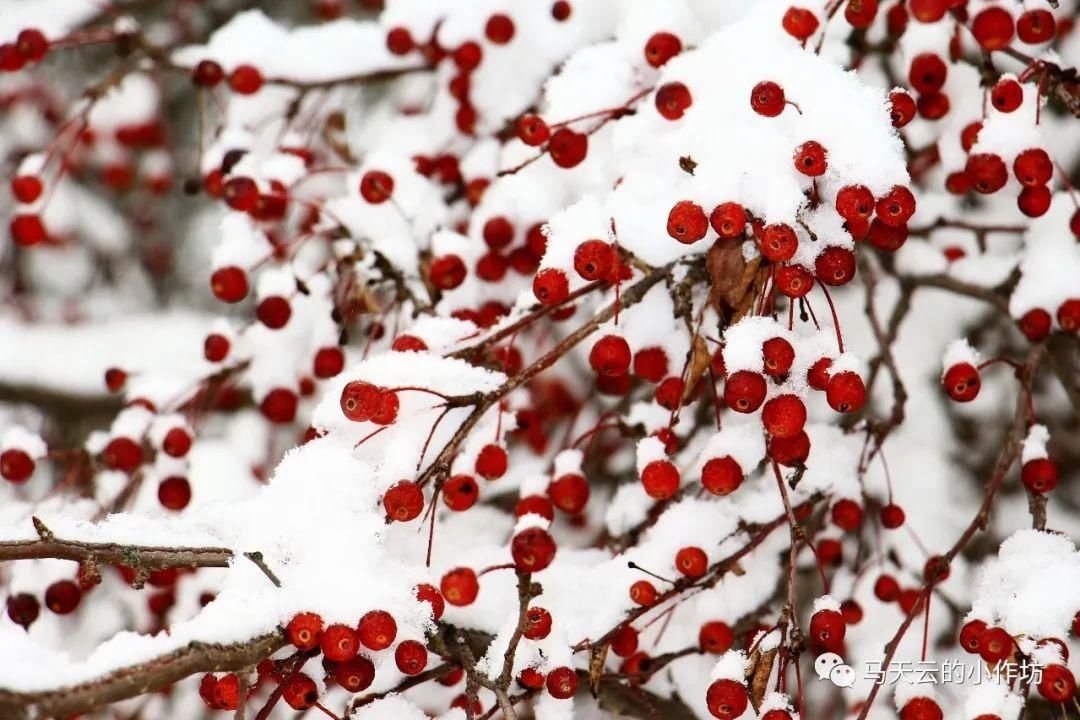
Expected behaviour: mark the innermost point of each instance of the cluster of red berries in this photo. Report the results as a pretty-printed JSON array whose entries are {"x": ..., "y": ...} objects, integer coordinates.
[
  {"x": 244, "y": 79},
  {"x": 995, "y": 645},
  {"x": 1037, "y": 323},
  {"x": 30, "y": 46}
]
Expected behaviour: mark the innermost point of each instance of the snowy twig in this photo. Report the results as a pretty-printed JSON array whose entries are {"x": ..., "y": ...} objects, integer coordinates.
[{"x": 143, "y": 556}]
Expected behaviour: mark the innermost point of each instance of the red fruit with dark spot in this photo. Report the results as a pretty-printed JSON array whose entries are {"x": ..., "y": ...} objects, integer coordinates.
[
  {"x": 901, "y": 108},
  {"x": 726, "y": 699},
  {"x": 411, "y": 657},
  {"x": 562, "y": 683},
  {"x": 377, "y": 630},
  {"x": 1039, "y": 475},
  {"x": 896, "y": 207},
  {"x": 246, "y": 80},
  {"x": 794, "y": 281},
  {"x": 62, "y": 597},
  {"x": 847, "y": 515},
  {"x": 961, "y": 382},
  {"x": 885, "y": 237},
  {"x": 491, "y": 462},
  {"x": 459, "y": 586},
  {"x": 279, "y": 406},
  {"x": 532, "y": 549},
  {"x": 993, "y": 28},
  {"x": 691, "y": 562},
  {"x": 716, "y": 637},
  {"x": 115, "y": 379},
  {"x": 643, "y": 593},
  {"x": 817, "y": 377},
  {"x": 16, "y": 465},
  {"x": 669, "y": 393},
  {"x": 299, "y": 692},
  {"x": 1007, "y": 95},
  {"x": 846, "y": 392},
  {"x": 431, "y": 595},
  {"x": 778, "y": 356},
  {"x": 767, "y": 99},
  {"x": 660, "y": 479},
  {"x": 625, "y": 641},
  {"x": 403, "y": 501},
  {"x": 339, "y": 643},
  {"x": 304, "y": 631},
  {"x": 987, "y": 172},
  {"x": 835, "y": 266},
  {"x": 687, "y": 222},
  {"x": 892, "y": 516},
  {"x": 610, "y": 356},
  {"x": 1033, "y": 167},
  {"x": 1036, "y": 26},
  {"x": 672, "y": 100},
  {"x": 927, "y": 73},
  {"x": 728, "y": 220},
  {"x": 568, "y": 148},
  {"x": 376, "y": 186},
  {"x": 790, "y": 452},
  {"x": 569, "y": 493},
  {"x": 355, "y": 675},
  {"x": 537, "y": 623},
  {"x": 360, "y": 400},
  {"x": 827, "y": 629},
  {"x": 784, "y": 416},
  {"x": 1068, "y": 315},
  {"x": 23, "y": 609},
  {"x": 594, "y": 259},
  {"x": 1057, "y": 684},
  {"x": 934, "y": 106},
  {"x": 995, "y": 645},
  {"x": 852, "y": 612},
  {"x": 229, "y": 284},
  {"x": 550, "y": 286},
  {"x": 227, "y": 692},
  {"x": 855, "y": 202},
  {"x": 460, "y": 492},
  {"x": 499, "y": 29},
  {"x": 532, "y": 130},
  {"x": 722, "y": 475},
  {"x": 778, "y": 243},
  {"x": 448, "y": 272},
  {"x": 207, "y": 73},
  {"x": 810, "y": 159},
  {"x": 537, "y": 505},
  {"x": 800, "y": 23},
  {"x": 661, "y": 47},
  {"x": 744, "y": 391}
]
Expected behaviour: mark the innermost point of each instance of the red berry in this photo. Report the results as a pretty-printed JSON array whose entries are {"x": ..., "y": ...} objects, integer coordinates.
[
  {"x": 491, "y": 462},
  {"x": 716, "y": 637},
  {"x": 860, "y": 13},
  {"x": 174, "y": 493},
  {"x": 993, "y": 28},
  {"x": 595, "y": 259},
  {"x": 1007, "y": 95},
  {"x": 886, "y": 589},
  {"x": 377, "y": 630},
  {"x": 403, "y": 501},
  {"x": 722, "y": 475},
  {"x": 660, "y": 479},
  {"x": 62, "y": 597},
  {"x": 459, "y": 586},
  {"x": 784, "y": 416},
  {"x": 887, "y": 238},
  {"x": 852, "y": 612},
  {"x": 855, "y": 202},
  {"x": 927, "y": 73},
  {"x": 279, "y": 406},
  {"x": 569, "y": 493},
  {"x": 560, "y": 10},
  {"x": 532, "y": 130},
  {"x": 537, "y": 623},
  {"x": 460, "y": 492},
  {"x": 1036, "y": 26},
  {"x": 115, "y": 379},
  {"x": 827, "y": 629},
  {"x": 896, "y": 207},
  {"x": 846, "y": 392},
  {"x": 123, "y": 454},
  {"x": 28, "y": 230},
  {"x": 672, "y": 100},
  {"x": 550, "y": 286},
  {"x": 661, "y": 47},
  {"x": 790, "y": 452},
  {"x": 778, "y": 243},
  {"x": 928, "y": 11},
  {"x": 810, "y": 159},
  {"x": 299, "y": 692},
  {"x": 533, "y": 549},
  {"x": 339, "y": 643},
  {"x": 431, "y": 595},
  {"x": 498, "y": 232},
  {"x": 246, "y": 80},
  {"x": 687, "y": 222},
  {"x": 399, "y": 41},
  {"x": 499, "y": 29},
  {"x": 531, "y": 678},
  {"x": 274, "y": 312},
  {"x": 23, "y": 609},
  {"x": 26, "y": 188},
  {"x": 31, "y": 44},
  {"x": 215, "y": 347},
  {"x": 447, "y": 272},
  {"x": 829, "y": 552},
  {"x": 1034, "y": 201},
  {"x": 329, "y": 362},
  {"x": 537, "y": 505},
  {"x": 376, "y": 186},
  {"x": 1058, "y": 684},
  {"x": 726, "y": 699},
  {"x": 10, "y": 58},
  {"x": 728, "y": 220},
  {"x": 568, "y": 148},
  {"x": 1035, "y": 324},
  {"x": 767, "y": 99},
  {"x": 934, "y": 106},
  {"x": 177, "y": 442},
  {"x": 744, "y": 391},
  {"x": 847, "y": 515},
  {"x": 794, "y": 281},
  {"x": 892, "y": 516},
  {"x": 962, "y": 382},
  {"x": 995, "y": 644},
  {"x": 229, "y": 284},
  {"x": 691, "y": 562},
  {"x": 411, "y": 657},
  {"x": 1068, "y": 315},
  {"x": 355, "y": 675},
  {"x": 778, "y": 355},
  {"x": 921, "y": 708},
  {"x": 207, "y": 73},
  {"x": 643, "y": 593},
  {"x": 818, "y": 375},
  {"x": 901, "y": 108},
  {"x": 1033, "y": 167},
  {"x": 16, "y": 465},
  {"x": 304, "y": 631},
  {"x": 562, "y": 683},
  {"x": 1039, "y": 475},
  {"x": 651, "y": 364},
  {"x": 987, "y": 172},
  {"x": 625, "y": 641},
  {"x": 610, "y": 356},
  {"x": 799, "y": 23}
]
